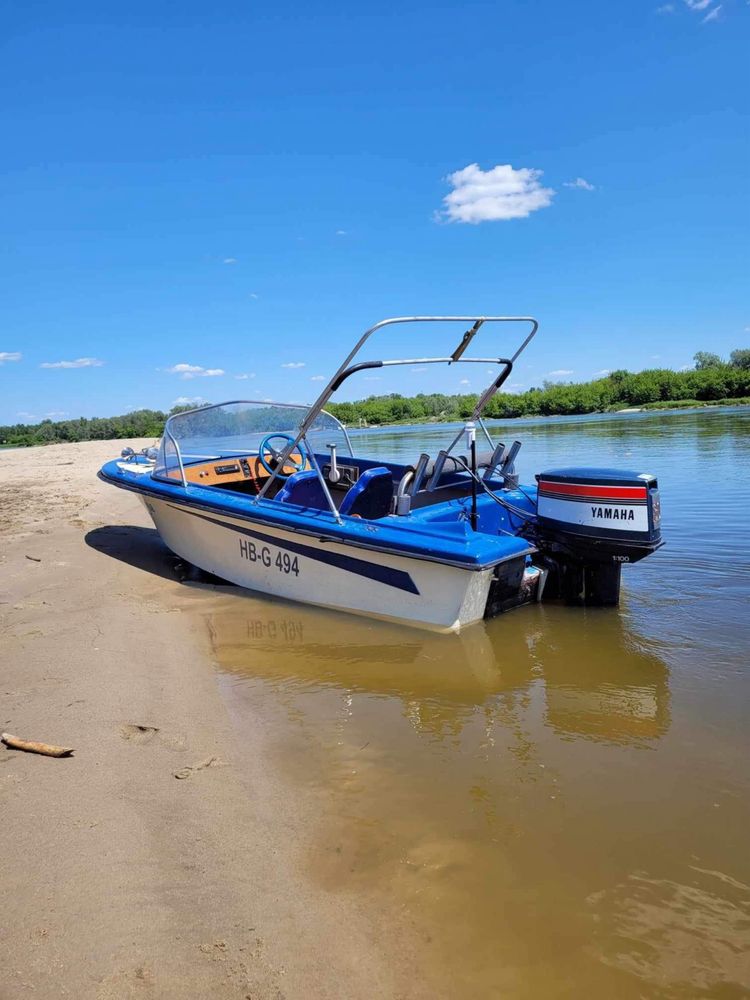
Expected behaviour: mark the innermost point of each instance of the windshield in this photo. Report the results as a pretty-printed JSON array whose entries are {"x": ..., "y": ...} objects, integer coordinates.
[{"x": 231, "y": 429}]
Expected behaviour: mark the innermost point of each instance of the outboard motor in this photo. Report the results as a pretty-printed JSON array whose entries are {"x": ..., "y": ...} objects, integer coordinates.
[{"x": 590, "y": 522}]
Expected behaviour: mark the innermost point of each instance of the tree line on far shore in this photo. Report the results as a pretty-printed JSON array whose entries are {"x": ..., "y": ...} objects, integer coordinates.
[{"x": 712, "y": 380}]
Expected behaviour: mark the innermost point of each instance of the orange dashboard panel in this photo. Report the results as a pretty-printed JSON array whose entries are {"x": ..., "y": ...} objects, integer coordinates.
[{"x": 219, "y": 472}]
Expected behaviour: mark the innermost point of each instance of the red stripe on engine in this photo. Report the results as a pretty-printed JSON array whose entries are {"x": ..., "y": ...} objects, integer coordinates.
[{"x": 598, "y": 492}]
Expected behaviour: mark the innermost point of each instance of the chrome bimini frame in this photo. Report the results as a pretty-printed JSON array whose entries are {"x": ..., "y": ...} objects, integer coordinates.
[{"x": 347, "y": 368}]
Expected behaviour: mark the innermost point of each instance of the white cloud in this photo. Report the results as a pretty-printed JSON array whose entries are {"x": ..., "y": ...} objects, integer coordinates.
[
  {"x": 419, "y": 368},
  {"x": 183, "y": 369},
  {"x": 9, "y": 356},
  {"x": 194, "y": 371},
  {"x": 78, "y": 363},
  {"x": 602, "y": 374},
  {"x": 685, "y": 368},
  {"x": 341, "y": 232},
  {"x": 371, "y": 378},
  {"x": 188, "y": 401},
  {"x": 230, "y": 260},
  {"x": 317, "y": 378},
  {"x": 580, "y": 183},
  {"x": 244, "y": 376},
  {"x": 56, "y": 413},
  {"x": 494, "y": 195},
  {"x": 26, "y": 416},
  {"x": 699, "y": 7},
  {"x": 559, "y": 373},
  {"x": 253, "y": 295},
  {"x": 464, "y": 381},
  {"x": 294, "y": 364}
]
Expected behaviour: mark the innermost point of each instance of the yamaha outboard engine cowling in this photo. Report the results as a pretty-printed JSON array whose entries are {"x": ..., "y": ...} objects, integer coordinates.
[{"x": 590, "y": 522}]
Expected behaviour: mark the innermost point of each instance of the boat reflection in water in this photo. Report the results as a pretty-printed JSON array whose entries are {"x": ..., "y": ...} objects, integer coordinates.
[
  {"x": 595, "y": 679},
  {"x": 506, "y": 791}
]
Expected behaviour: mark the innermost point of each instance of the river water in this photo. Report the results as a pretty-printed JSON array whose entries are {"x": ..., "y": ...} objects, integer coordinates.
[{"x": 556, "y": 801}]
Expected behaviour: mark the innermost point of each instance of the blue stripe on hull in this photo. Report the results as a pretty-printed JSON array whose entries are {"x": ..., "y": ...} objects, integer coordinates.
[{"x": 381, "y": 574}]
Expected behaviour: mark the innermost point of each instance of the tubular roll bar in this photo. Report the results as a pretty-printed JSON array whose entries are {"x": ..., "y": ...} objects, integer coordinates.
[
  {"x": 364, "y": 365},
  {"x": 346, "y": 369},
  {"x": 477, "y": 322}
]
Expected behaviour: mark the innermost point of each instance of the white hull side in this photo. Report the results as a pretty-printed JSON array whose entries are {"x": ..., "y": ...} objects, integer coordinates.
[{"x": 447, "y": 597}]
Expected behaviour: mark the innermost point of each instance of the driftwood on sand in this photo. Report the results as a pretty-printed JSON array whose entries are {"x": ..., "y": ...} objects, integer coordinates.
[{"x": 32, "y": 746}]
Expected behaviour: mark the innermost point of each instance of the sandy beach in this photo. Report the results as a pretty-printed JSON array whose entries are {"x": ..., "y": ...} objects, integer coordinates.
[{"x": 120, "y": 879}]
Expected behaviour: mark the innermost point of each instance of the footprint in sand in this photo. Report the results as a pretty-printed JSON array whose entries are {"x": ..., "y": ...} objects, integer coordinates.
[
  {"x": 137, "y": 734},
  {"x": 186, "y": 772}
]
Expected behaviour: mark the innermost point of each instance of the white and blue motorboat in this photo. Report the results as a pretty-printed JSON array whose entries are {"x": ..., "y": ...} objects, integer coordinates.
[{"x": 273, "y": 497}]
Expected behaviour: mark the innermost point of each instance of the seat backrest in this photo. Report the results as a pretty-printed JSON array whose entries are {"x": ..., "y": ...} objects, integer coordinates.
[
  {"x": 371, "y": 495},
  {"x": 303, "y": 488}
]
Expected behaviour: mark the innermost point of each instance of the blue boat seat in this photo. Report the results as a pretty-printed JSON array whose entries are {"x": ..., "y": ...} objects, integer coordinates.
[
  {"x": 303, "y": 488},
  {"x": 371, "y": 495}
]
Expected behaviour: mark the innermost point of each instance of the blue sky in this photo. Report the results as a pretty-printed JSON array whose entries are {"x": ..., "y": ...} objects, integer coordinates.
[{"x": 243, "y": 188}]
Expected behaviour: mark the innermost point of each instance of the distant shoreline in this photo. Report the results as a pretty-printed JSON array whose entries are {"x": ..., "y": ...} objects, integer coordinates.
[
  {"x": 149, "y": 423},
  {"x": 676, "y": 405}
]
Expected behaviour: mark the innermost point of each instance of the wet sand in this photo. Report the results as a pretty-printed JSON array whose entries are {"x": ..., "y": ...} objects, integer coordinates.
[{"x": 120, "y": 879}]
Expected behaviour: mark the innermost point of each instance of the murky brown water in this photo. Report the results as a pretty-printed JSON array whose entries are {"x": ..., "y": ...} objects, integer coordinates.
[{"x": 556, "y": 801}]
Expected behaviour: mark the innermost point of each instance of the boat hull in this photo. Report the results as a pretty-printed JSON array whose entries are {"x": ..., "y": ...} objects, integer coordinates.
[{"x": 321, "y": 571}]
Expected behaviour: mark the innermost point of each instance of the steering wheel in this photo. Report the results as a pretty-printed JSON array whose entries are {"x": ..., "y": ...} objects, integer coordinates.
[{"x": 274, "y": 455}]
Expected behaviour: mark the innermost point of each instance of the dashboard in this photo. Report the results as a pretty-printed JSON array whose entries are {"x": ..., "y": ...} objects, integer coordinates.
[{"x": 228, "y": 471}]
